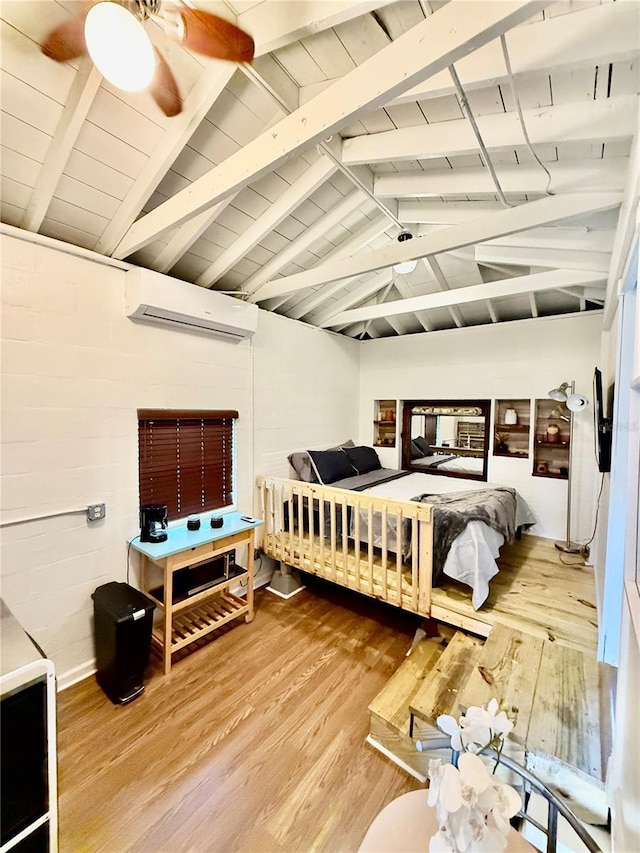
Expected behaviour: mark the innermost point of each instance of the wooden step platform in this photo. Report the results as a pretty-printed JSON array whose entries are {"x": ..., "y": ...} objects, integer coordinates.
[
  {"x": 534, "y": 592},
  {"x": 551, "y": 691}
]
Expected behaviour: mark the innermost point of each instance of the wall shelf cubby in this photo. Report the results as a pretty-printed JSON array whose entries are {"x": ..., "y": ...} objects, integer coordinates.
[
  {"x": 384, "y": 423},
  {"x": 512, "y": 428},
  {"x": 551, "y": 440}
]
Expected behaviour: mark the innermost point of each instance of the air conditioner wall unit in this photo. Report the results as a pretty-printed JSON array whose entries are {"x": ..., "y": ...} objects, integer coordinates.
[{"x": 156, "y": 298}]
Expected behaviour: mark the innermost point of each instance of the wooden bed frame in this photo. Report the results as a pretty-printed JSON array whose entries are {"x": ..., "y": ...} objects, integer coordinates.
[{"x": 321, "y": 546}]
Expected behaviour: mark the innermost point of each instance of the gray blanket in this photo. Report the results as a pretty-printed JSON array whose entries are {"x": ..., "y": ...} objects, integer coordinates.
[{"x": 452, "y": 512}]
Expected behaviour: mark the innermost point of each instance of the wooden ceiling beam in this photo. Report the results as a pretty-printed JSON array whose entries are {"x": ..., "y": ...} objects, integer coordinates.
[
  {"x": 348, "y": 247},
  {"x": 83, "y": 91},
  {"x": 275, "y": 25},
  {"x": 489, "y": 227},
  {"x": 566, "y": 177},
  {"x": 587, "y": 38},
  {"x": 540, "y": 257},
  {"x": 602, "y": 121},
  {"x": 291, "y": 198},
  {"x": 296, "y": 247},
  {"x": 420, "y": 212},
  {"x": 186, "y": 235},
  {"x": 405, "y": 291},
  {"x": 365, "y": 290},
  {"x": 197, "y": 104},
  {"x": 574, "y": 239},
  {"x": 454, "y": 31},
  {"x": 474, "y": 293}
]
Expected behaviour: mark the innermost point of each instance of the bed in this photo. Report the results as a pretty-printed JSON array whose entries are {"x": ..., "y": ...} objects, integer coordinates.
[{"x": 385, "y": 532}]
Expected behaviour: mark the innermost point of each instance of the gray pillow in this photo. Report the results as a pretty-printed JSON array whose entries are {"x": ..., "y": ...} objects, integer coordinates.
[{"x": 301, "y": 464}]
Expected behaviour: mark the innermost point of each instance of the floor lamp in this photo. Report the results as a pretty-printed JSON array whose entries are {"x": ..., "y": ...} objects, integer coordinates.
[{"x": 566, "y": 393}]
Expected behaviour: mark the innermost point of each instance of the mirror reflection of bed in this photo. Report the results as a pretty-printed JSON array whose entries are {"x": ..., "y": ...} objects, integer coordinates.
[{"x": 446, "y": 438}]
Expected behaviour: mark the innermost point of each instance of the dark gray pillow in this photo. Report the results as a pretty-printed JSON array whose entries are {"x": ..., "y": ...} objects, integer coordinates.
[
  {"x": 363, "y": 459},
  {"x": 301, "y": 463},
  {"x": 423, "y": 445},
  {"x": 331, "y": 465}
]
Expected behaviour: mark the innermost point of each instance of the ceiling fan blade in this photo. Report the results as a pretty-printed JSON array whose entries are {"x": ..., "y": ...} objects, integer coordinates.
[
  {"x": 66, "y": 41},
  {"x": 164, "y": 88},
  {"x": 213, "y": 36}
]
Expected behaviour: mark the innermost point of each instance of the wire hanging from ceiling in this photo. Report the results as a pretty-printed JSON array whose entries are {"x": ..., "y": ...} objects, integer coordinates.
[{"x": 516, "y": 101}]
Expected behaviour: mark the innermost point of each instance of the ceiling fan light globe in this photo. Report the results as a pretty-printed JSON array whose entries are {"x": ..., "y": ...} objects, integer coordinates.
[
  {"x": 119, "y": 46},
  {"x": 405, "y": 267}
]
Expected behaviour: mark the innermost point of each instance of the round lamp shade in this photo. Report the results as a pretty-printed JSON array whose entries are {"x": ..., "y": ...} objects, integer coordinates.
[
  {"x": 577, "y": 402},
  {"x": 119, "y": 46}
]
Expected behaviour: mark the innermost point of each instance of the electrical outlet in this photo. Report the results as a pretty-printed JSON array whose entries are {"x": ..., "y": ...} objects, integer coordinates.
[{"x": 96, "y": 511}]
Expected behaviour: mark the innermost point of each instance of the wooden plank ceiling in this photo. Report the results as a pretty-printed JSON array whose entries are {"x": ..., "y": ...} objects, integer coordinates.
[{"x": 287, "y": 182}]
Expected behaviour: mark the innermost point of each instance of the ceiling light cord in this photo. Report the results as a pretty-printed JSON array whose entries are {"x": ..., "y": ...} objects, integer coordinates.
[
  {"x": 466, "y": 109},
  {"x": 516, "y": 101},
  {"x": 259, "y": 81}
]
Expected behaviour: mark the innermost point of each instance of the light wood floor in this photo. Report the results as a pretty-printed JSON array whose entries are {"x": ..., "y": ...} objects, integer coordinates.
[
  {"x": 535, "y": 592},
  {"x": 255, "y": 742}
]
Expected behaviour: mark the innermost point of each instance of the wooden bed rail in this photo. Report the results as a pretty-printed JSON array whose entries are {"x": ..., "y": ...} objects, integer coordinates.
[{"x": 351, "y": 539}]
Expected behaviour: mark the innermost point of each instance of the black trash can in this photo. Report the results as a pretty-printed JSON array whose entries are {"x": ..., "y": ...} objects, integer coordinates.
[{"x": 123, "y": 619}]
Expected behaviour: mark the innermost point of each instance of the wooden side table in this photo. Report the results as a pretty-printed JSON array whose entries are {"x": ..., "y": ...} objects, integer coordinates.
[{"x": 188, "y": 619}]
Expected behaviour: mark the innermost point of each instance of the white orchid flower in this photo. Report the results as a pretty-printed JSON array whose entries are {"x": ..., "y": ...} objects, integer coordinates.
[
  {"x": 507, "y": 804},
  {"x": 472, "y": 806},
  {"x": 444, "y": 789},
  {"x": 449, "y": 726},
  {"x": 490, "y": 718},
  {"x": 442, "y": 842},
  {"x": 464, "y": 737}
]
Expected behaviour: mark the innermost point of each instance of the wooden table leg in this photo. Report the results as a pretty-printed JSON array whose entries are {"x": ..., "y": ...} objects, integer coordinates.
[
  {"x": 168, "y": 619},
  {"x": 250, "y": 569}
]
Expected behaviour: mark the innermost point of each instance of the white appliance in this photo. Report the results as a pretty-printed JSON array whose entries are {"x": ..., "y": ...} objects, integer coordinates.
[{"x": 157, "y": 298}]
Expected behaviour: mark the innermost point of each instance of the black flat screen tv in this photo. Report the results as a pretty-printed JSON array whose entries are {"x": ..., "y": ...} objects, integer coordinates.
[{"x": 602, "y": 424}]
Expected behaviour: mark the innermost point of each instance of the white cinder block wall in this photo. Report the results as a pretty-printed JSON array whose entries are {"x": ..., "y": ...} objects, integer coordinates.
[
  {"x": 511, "y": 360},
  {"x": 305, "y": 390},
  {"x": 75, "y": 370}
]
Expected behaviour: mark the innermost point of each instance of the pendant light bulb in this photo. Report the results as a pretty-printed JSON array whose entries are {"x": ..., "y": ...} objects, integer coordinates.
[
  {"x": 405, "y": 267},
  {"x": 119, "y": 46}
]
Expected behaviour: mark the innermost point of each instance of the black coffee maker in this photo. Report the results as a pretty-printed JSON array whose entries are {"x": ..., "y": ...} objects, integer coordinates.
[{"x": 153, "y": 523}]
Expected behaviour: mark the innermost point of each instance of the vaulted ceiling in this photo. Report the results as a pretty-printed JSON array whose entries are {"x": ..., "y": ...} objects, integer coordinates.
[{"x": 498, "y": 133}]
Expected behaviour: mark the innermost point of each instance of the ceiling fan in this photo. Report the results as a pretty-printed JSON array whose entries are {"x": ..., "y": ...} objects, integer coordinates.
[{"x": 112, "y": 33}]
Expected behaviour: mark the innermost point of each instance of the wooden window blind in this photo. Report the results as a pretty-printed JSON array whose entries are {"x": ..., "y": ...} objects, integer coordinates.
[{"x": 186, "y": 459}]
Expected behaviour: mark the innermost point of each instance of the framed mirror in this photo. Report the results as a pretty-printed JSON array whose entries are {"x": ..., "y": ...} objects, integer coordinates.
[{"x": 449, "y": 438}]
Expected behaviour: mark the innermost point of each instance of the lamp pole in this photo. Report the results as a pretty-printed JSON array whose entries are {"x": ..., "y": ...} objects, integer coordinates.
[{"x": 569, "y": 547}]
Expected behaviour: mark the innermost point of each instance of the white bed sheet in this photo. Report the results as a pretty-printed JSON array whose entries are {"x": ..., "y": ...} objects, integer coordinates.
[{"x": 472, "y": 556}]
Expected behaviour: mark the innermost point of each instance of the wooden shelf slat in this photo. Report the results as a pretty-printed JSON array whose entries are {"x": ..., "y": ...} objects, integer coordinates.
[{"x": 206, "y": 617}]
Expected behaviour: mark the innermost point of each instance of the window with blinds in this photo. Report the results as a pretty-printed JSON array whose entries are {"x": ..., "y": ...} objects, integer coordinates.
[{"x": 186, "y": 459}]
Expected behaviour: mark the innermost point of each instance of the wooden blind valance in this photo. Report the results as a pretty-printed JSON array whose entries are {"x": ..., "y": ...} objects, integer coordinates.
[{"x": 186, "y": 459}]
